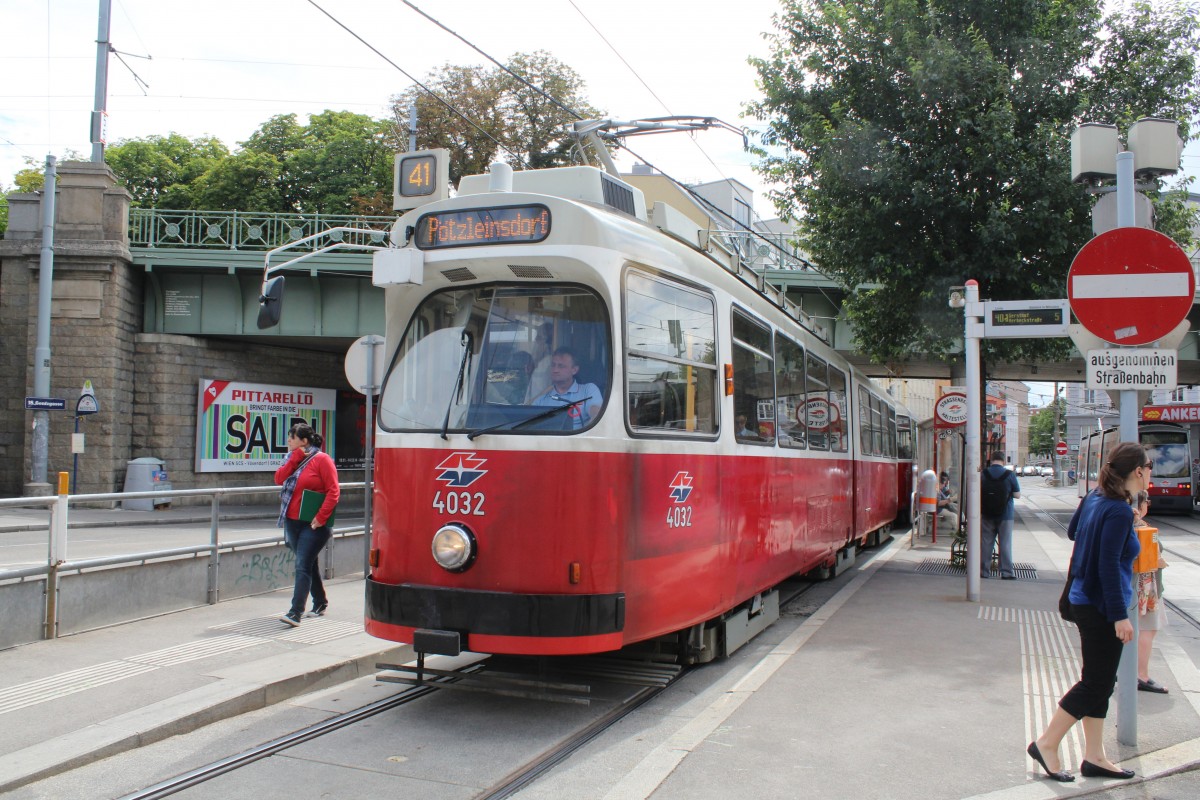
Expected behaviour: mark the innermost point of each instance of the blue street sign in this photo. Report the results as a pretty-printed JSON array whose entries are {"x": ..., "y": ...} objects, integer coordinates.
[{"x": 45, "y": 403}]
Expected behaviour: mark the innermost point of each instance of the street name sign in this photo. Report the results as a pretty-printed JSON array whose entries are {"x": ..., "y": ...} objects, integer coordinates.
[
  {"x": 1134, "y": 368},
  {"x": 1131, "y": 286},
  {"x": 1025, "y": 319},
  {"x": 45, "y": 403}
]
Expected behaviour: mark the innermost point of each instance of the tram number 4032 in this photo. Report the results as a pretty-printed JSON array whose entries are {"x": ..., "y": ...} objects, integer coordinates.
[
  {"x": 679, "y": 517},
  {"x": 459, "y": 503}
]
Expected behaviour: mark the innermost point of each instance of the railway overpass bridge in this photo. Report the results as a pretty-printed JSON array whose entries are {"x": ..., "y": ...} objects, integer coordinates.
[
  {"x": 149, "y": 303},
  {"x": 203, "y": 270}
]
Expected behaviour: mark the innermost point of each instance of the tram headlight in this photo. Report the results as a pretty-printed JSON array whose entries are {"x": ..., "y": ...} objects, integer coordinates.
[{"x": 454, "y": 547}]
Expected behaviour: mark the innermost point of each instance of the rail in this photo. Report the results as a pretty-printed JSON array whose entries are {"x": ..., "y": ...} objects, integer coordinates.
[{"x": 58, "y": 529}]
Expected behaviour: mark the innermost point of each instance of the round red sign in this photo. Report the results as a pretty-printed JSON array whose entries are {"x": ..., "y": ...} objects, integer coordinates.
[
  {"x": 1061, "y": 448},
  {"x": 1131, "y": 286},
  {"x": 951, "y": 410}
]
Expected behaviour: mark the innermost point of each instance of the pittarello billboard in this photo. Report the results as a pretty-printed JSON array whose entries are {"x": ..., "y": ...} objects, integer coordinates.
[{"x": 242, "y": 427}]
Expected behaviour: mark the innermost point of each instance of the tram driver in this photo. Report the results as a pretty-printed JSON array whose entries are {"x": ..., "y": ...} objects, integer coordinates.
[{"x": 564, "y": 389}]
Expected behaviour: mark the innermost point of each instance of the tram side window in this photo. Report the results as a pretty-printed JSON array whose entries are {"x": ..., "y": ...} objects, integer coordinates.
[
  {"x": 789, "y": 401},
  {"x": 876, "y": 426},
  {"x": 904, "y": 437},
  {"x": 889, "y": 432},
  {"x": 837, "y": 410},
  {"x": 864, "y": 421},
  {"x": 753, "y": 381},
  {"x": 816, "y": 403},
  {"x": 670, "y": 356}
]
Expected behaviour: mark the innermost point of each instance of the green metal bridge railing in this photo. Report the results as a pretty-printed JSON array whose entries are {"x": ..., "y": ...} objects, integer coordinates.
[{"x": 241, "y": 230}]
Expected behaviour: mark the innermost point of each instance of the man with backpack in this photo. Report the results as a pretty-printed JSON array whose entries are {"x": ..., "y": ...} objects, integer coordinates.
[{"x": 997, "y": 488}]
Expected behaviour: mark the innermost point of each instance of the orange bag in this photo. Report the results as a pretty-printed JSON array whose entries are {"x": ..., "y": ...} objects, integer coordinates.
[{"x": 1147, "y": 560}]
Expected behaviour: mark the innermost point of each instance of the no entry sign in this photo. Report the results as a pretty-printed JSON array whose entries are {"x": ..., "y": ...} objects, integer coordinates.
[
  {"x": 1131, "y": 286},
  {"x": 1061, "y": 448}
]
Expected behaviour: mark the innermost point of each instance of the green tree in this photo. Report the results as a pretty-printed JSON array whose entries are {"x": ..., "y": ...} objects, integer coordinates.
[
  {"x": 1042, "y": 436},
  {"x": 925, "y": 143},
  {"x": 472, "y": 131},
  {"x": 3, "y": 209},
  {"x": 161, "y": 171},
  {"x": 246, "y": 181},
  {"x": 508, "y": 119},
  {"x": 338, "y": 163},
  {"x": 539, "y": 128}
]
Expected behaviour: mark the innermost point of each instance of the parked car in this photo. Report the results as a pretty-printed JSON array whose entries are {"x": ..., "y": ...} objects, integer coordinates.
[{"x": 1047, "y": 472}]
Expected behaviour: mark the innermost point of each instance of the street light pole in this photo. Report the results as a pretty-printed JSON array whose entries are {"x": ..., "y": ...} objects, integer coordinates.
[{"x": 39, "y": 486}]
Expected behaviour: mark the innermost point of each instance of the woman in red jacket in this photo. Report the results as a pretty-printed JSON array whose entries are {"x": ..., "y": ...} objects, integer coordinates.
[{"x": 306, "y": 468}]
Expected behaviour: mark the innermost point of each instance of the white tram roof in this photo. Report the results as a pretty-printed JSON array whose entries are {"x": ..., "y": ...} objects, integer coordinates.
[{"x": 587, "y": 184}]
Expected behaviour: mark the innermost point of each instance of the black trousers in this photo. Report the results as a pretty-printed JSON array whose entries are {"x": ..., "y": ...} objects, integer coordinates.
[{"x": 1101, "y": 651}]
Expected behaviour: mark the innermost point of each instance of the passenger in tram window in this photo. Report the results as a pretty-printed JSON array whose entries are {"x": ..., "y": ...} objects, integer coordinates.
[
  {"x": 1152, "y": 614},
  {"x": 307, "y": 470},
  {"x": 1100, "y": 592},
  {"x": 585, "y": 398},
  {"x": 744, "y": 432}
]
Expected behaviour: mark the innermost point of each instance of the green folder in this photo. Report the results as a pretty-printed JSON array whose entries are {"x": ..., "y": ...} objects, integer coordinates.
[{"x": 310, "y": 504}]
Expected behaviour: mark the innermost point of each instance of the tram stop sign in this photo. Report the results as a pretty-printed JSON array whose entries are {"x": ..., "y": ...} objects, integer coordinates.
[
  {"x": 1131, "y": 286},
  {"x": 1061, "y": 448}
]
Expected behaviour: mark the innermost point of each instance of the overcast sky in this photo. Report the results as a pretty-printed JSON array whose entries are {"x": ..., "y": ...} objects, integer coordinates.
[{"x": 222, "y": 68}]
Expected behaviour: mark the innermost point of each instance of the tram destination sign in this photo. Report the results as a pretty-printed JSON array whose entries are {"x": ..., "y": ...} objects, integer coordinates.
[
  {"x": 1024, "y": 319},
  {"x": 1135, "y": 368},
  {"x": 481, "y": 226}
]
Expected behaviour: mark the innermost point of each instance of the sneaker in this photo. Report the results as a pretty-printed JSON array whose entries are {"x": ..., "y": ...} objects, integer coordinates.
[
  {"x": 291, "y": 619},
  {"x": 318, "y": 610}
]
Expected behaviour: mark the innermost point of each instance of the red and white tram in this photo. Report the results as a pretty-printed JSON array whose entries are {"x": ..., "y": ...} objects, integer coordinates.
[
  {"x": 595, "y": 430},
  {"x": 1169, "y": 449}
]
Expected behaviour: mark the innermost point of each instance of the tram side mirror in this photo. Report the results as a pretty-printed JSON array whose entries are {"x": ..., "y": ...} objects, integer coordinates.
[{"x": 270, "y": 303}]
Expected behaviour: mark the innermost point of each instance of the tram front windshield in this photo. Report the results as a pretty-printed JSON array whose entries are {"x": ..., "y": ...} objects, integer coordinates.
[
  {"x": 1169, "y": 453},
  {"x": 479, "y": 360}
]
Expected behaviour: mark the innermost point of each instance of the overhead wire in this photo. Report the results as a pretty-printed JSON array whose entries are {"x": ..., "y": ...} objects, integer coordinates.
[
  {"x": 695, "y": 195},
  {"x": 423, "y": 87}
]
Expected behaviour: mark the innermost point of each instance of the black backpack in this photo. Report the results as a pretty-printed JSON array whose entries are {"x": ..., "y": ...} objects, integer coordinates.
[{"x": 993, "y": 494}]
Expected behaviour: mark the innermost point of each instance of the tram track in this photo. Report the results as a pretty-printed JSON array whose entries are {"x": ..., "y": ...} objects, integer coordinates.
[
  {"x": 215, "y": 769},
  {"x": 506, "y": 786},
  {"x": 1159, "y": 522}
]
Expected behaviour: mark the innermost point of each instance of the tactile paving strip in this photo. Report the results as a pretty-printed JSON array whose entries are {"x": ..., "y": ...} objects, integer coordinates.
[{"x": 1049, "y": 667}]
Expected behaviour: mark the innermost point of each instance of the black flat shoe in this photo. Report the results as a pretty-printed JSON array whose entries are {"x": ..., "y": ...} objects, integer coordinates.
[
  {"x": 1089, "y": 770},
  {"x": 1151, "y": 685},
  {"x": 1036, "y": 755}
]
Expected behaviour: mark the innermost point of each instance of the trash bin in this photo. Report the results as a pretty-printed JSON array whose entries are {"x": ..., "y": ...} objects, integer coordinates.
[{"x": 146, "y": 475}]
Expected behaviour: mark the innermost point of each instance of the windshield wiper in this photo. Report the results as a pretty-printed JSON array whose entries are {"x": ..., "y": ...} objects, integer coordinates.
[
  {"x": 522, "y": 423},
  {"x": 456, "y": 394}
]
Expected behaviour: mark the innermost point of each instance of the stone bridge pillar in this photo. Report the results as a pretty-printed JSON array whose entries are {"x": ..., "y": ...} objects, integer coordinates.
[{"x": 95, "y": 315}]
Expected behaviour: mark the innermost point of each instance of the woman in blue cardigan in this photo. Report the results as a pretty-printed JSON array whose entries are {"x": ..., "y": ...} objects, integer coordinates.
[{"x": 1102, "y": 589}]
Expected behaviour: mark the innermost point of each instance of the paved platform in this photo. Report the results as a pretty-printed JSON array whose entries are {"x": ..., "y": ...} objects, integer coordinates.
[{"x": 896, "y": 687}]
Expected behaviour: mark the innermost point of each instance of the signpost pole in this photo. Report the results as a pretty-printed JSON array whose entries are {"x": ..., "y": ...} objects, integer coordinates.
[
  {"x": 1127, "y": 669},
  {"x": 371, "y": 342},
  {"x": 973, "y": 331}
]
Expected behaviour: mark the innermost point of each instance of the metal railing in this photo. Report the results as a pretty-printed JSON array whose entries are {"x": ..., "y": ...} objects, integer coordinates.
[
  {"x": 239, "y": 230},
  {"x": 58, "y": 527},
  {"x": 761, "y": 251}
]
